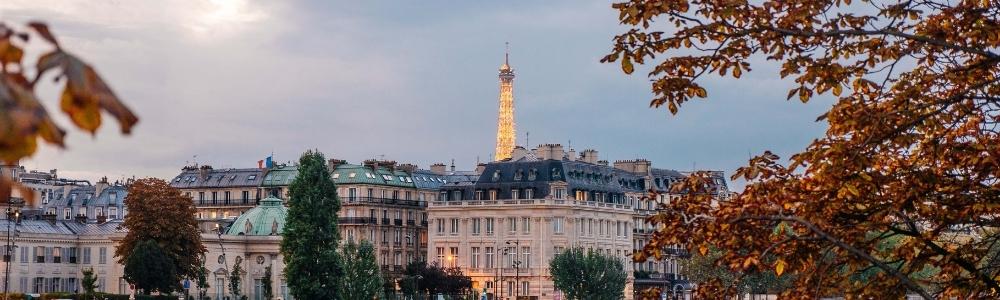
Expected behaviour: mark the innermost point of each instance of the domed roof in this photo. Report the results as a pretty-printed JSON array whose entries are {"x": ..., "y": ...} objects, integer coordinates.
[{"x": 268, "y": 218}]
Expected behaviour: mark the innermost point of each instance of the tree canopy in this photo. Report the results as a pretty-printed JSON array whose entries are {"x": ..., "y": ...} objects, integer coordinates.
[
  {"x": 433, "y": 279},
  {"x": 150, "y": 269},
  {"x": 910, "y": 150},
  {"x": 362, "y": 277},
  {"x": 158, "y": 212},
  {"x": 581, "y": 274},
  {"x": 310, "y": 240}
]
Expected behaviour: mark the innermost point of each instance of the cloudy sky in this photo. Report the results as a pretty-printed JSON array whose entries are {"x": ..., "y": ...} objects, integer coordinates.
[{"x": 228, "y": 82}]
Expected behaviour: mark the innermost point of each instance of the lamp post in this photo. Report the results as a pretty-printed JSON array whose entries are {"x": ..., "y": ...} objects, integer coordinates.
[
  {"x": 7, "y": 256},
  {"x": 517, "y": 268},
  {"x": 225, "y": 263}
]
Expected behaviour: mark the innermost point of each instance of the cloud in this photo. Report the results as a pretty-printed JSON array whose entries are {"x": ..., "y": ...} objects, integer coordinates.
[{"x": 233, "y": 81}]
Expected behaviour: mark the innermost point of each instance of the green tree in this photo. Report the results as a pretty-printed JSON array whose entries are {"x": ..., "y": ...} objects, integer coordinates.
[
  {"x": 235, "y": 280},
  {"x": 150, "y": 269},
  {"x": 362, "y": 278},
  {"x": 202, "y": 281},
  {"x": 89, "y": 281},
  {"x": 310, "y": 237},
  {"x": 160, "y": 213},
  {"x": 588, "y": 275},
  {"x": 267, "y": 282}
]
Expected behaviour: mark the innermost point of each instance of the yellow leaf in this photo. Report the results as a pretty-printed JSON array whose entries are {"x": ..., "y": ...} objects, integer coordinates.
[
  {"x": 627, "y": 65},
  {"x": 703, "y": 250},
  {"x": 837, "y": 90},
  {"x": 737, "y": 72},
  {"x": 779, "y": 267}
]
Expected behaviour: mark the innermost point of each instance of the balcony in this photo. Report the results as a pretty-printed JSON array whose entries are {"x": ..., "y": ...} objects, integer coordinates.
[
  {"x": 398, "y": 222},
  {"x": 358, "y": 221},
  {"x": 383, "y": 201},
  {"x": 385, "y": 221},
  {"x": 423, "y": 223},
  {"x": 411, "y": 223}
]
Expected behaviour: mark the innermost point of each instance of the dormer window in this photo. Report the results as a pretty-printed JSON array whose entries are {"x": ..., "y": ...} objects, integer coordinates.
[
  {"x": 532, "y": 174},
  {"x": 519, "y": 175},
  {"x": 556, "y": 175},
  {"x": 252, "y": 177},
  {"x": 496, "y": 175}
]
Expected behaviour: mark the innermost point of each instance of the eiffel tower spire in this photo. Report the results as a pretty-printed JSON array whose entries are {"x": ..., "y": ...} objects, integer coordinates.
[{"x": 505, "y": 120}]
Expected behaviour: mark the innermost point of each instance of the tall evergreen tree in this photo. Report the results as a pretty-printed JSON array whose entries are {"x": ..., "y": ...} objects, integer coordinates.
[
  {"x": 588, "y": 275},
  {"x": 89, "y": 281},
  {"x": 309, "y": 246},
  {"x": 362, "y": 278}
]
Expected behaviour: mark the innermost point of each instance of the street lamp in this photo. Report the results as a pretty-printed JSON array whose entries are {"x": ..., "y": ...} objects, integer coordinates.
[
  {"x": 8, "y": 256},
  {"x": 225, "y": 263},
  {"x": 517, "y": 268}
]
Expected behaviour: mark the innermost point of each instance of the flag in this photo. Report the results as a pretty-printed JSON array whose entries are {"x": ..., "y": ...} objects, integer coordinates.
[{"x": 269, "y": 163}]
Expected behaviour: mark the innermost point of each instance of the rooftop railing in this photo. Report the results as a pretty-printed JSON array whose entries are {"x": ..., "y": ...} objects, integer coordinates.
[{"x": 519, "y": 202}]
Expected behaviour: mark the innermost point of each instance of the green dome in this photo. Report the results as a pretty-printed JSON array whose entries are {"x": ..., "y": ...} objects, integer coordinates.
[{"x": 268, "y": 218}]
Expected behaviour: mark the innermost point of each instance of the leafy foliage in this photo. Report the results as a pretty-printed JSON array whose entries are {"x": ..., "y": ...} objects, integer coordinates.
[
  {"x": 702, "y": 268},
  {"x": 267, "y": 281},
  {"x": 150, "y": 269},
  {"x": 235, "y": 280},
  {"x": 158, "y": 212},
  {"x": 911, "y": 148},
  {"x": 89, "y": 281},
  {"x": 202, "y": 282},
  {"x": 310, "y": 238},
  {"x": 433, "y": 279},
  {"x": 23, "y": 118},
  {"x": 588, "y": 275},
  {"x": 362, "y": 277}
]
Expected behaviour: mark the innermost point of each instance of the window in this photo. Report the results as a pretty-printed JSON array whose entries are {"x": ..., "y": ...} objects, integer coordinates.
[
  {"x": 529, "y": 194},
  {"x": 524, "y": 287},
  {"x": 453, "y": 259},
  {"x": 440, "y": 226},
  {"x": 475, "y": 226},
  {"x": 98, "y": 211},
  {"x": 73, "y": 259},
  {"x": 479, "y": 195},
  {"x": 86, "y": 256},
  {"x": 514, "y": 193},
  {"x": 39, "y": 254},
  {"x": 474, "y": 263},
  {"x": 245, "y": 195},
  {"x": 440, "y": 254},
  {"x": 512, "y": 224},
  {"x": 489, "y": 257},
  {"x": 532, "y": 174},
  {"x": 526, "y": 224},
  {"x": 519, "y": 175},
  {"x": 560, "y": 193},
  {"x": 557, "y": 225},
  {"x": 454, "y": 226},
  {"x": 201, "y": 197},
  {"x": 57, "y": 255},
  {"x": 102, "y": 255},
  {"x": 336, "y": 175},
  {"x": 66, "y": 213},
  {"x": 489, "y": 226},
  {"x": 556, "y": 174},
  {"x": 252, "y": 177},
  {"x": 496, "y": 175},
  {"x": 526, "y": 257},
  {"x": 24, "y": 255},
  {"x": 493, "y": 194},
  {"x": 225, "y": 197}
]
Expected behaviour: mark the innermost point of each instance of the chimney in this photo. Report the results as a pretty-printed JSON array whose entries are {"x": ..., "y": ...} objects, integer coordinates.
[
  {"x": 518, "y": 153},
  {"x": 557, "y": 152},
  {"x": 408, "y": 168},
  {"x": 101, "y": 185},
  {"x": 480, "y": 168},
  {"x": 452, "y": 165},
  {"x": 333, "y": 163},
  {"x": 589, "y": 156},
  {"x": 438, "y": 168},
  {"x": 204, "y": 171},
  {"x": 572, "y": 154},
  {"x": 602, "y": 162},
  {"x": 638, "y": 166}
]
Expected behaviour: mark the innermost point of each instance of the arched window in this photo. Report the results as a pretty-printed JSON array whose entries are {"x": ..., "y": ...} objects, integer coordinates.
[
  {"x": 556, "y": 175},
  {"x": 496, "y": 175},
  {"x": 519, "y": 174},
  {"x": 532, "y": 174}
]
